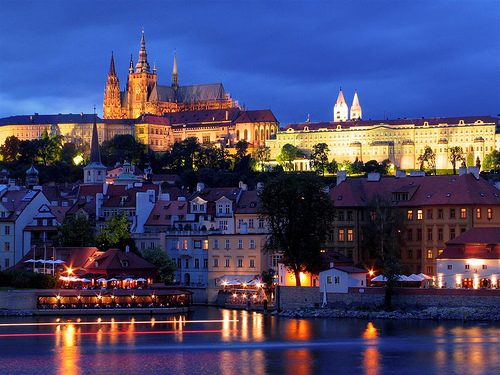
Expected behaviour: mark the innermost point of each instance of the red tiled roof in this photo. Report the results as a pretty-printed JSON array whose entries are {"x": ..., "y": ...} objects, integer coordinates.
[
  {"x": 214, "y": 194},
  {"x": 113, "y": 260},
  {"x": 249, "y": 203},
  {"x": 164, "y": 210},
  {"x": 428, "y": 190},
  {"x": 476, "y": 243},
  {"x": 113, "y": 197}
]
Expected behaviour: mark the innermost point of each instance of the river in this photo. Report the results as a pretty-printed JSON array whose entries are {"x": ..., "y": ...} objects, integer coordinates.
[{"x": 219, "y": 341}]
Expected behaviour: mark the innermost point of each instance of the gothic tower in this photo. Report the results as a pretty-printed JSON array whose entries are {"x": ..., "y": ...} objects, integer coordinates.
[
  {"x": 112, "y": 101},
  {"x": 340, "y": 109},
  {"x": 94, "y": 173},
  {"x": 140, "y": 84},
  {"x": 175, "y": 76},
  {"x": 356, "y": 113}
]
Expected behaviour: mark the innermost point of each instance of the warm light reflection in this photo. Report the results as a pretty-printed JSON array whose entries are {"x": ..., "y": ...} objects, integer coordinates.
[
  {"x": 371, "y": 355},
  {"x": 298, "y": 329},
  {"x": 370, "y": 332},
  {"x": 68, "y": 352},
  {"x": 298, "y": 362}
]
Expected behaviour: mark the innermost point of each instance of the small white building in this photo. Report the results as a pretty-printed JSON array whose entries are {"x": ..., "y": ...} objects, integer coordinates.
[
  {"x": 339, "y": 279},
  {"x": 471, "y": 260}
]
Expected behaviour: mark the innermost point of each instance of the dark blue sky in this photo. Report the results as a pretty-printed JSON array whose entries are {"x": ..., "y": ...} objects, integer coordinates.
[{"x": 405, "y": 58}]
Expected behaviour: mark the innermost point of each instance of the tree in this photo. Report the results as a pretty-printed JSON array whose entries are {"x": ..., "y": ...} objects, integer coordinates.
[
  {"x": 288, "y": 154},
  {"x": 241, "y": 149},
  {"x": 332, "y": 167},
  {"x": 262, "y": 156},
  {"x": 115, "y": 233},
  {"x": 166, "y": 267},
  {"x": 76, "y": 231},
  {"x": 372, "y": 166},
  {"x": 478, "y": 163},
  {"x": 492, "y": 161},
  {"x": 427, "y": 160},
  {"x": 120, "y": 148},
  {"x": 383, "y": 236},
  {"x": 49, "y": 148},
  {"x": 319, "y": 157},
  {"x": 299, "y": 213},
  {"x": 456, "y": 155},
  {"x": 10, "y": 149}
]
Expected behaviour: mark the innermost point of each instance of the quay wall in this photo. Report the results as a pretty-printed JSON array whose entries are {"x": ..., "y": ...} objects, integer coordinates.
[
  {"x": 19, "y": 300},
  {"x": 296, "y": 297}
]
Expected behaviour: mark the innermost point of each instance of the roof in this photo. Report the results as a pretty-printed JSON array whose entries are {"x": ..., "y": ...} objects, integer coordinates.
[
  {"x": 187, "y": 94},
  {"x": 249, "y": 203},
  {"x": 477, "y": 236},
  {"x": 121, "y": 195},
  {"x": 476, "y": 243},
  {"x": 393, "y": 122},
  {"x": 351, "y": 269},
  {"x": 427, "y": 190},
  {"x": 214, "y": 194},
  {"x": 113, "y": 260},
  {"x": 162, "y": 212},
  {"x": 15, "y": 201},
  {"x": 50, "y": 119}
]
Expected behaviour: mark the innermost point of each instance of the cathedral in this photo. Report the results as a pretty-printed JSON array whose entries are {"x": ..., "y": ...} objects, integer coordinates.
[{"x": 143, "y": 95}]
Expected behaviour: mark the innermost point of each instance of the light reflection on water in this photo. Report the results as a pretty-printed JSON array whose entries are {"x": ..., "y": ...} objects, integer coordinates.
[{"x": 255, "y": 344}]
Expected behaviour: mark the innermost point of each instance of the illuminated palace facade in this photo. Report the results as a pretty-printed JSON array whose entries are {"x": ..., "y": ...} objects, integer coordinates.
[
  {"x": 401, "y": 140},
  {"x": 143, "y": 95}
]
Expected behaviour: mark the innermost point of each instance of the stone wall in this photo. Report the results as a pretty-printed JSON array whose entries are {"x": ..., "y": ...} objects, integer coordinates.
[
  {"x": 18, "y": 299},
  {"x": 296, "y": 297}
]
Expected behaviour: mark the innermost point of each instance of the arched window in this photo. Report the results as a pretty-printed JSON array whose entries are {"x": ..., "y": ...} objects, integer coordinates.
[
  {"x": 237, "y": 134},
  {"x": 245, "y": 135},
  {"x": 262, "y": 134},
  {"x": 256, "y": 135}
]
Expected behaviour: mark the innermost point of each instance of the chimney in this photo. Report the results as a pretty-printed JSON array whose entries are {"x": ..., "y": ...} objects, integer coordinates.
[
  {"x": 227, "y": 115},
  {"x": 474, "y": 171},
  {"x": 462, "y": 171},
  {"x": 243, "y": 186},
  {"x": 400, "y": 174},
  {"x": 260, "y": 186},
  {"x": 127, "y": 248},
  {"x": 200, "y": 186},
  {"x": 341, "y": 176},
  {"x": 373, "y": 177}
]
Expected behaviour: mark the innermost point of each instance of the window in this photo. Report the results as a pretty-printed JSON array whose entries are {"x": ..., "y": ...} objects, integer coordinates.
[
  {"x": 419, "y": 254},
  {"x": 216, "y": 244},
  {"x": 240, "y": 223},
  {"x": 227, "y": 244},
  {"x": 490, "y": 214},
  {"x": 430, "y": 254},
  {"x": 419, "y": 215},
  {"x": 261, "y": 223},
  {"x": 228, "y": 208},
  {"x": 410, "y": 254},
  {"x": 419, "y": 234},
  {"x": 452, "y": 213},
  {"x": 429, "y": 214},
  {"x": 179, "y": 263},
  {"x": 440, "y": 251},
  {"x": 205, "y": 263},
  {"x": 467, "y": 266},
  {"x": 485, "y": 267},
  {"x": 410, "y": 214},
  {"x": 329, "y": 279},
  {"x": 197, "y": 244},
  {"x": 216, "y": 262},
  {"x": 206, "y": 139},
  {"x": 350, "y": 235},
  {"x": 463, "y": 213},
  {"x": 175, "y": 245},
  {"x": 7, "y": 263},
  {"x": 409, "y": 234},
  {"x": 341, "y": 236},
  {"x": 341, "y": 215},
  {"x": 205, "y": 244},
  {"x": 440, "y": 234},
  {"x": 478, "y": 213},
  {"x": 184, "y": 245},
  {"x": 276, "y": 259},
  {"x": 429, "y": 270},
  {"x": 429, "y": 234},
  {"x": 440, "y": 214},
  {"x": 337, "y": 279},
  {"x": 350, "y": 215},
  {"x": 7, "y": 229},
  {"x": 7, "y": 246},
  {"x": 186, "y": 263},
  {"x": 450, "y": 267},
  {"x": 252, "y": 244},
  {"x": 250, "y": 223},
  {"x": 223, "y": 225},
  {"x": 240, "y": 262},
  {"x": 240, "y": 244},
  {"x": 228, "y": 262},
  {"x": 197, "y": 263},
  {"x": 252, "y": 263}
]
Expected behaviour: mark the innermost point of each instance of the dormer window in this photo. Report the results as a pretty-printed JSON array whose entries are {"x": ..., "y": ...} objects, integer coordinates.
[{"x": 124, "y": 263}]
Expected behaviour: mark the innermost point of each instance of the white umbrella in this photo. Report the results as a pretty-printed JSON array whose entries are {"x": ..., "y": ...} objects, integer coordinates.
[
  {"x": 86, "y": 280},
  {"x": 415, "y": 277},
  {"x": 425, "y": 276},
  {"x": 404, "y": 278},
  {"x": 379, "y": 278},
  {"x": 113, "y": 279},
  {"x": 101, "y": 280},
  {"x": 141, "y": 279},
  {"x": 30, "y": 260},
  {"x": 59, "y": 261}
]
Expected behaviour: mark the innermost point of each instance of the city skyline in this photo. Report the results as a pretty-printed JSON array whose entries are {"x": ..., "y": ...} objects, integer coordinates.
[{"x": 404, "y": 59}]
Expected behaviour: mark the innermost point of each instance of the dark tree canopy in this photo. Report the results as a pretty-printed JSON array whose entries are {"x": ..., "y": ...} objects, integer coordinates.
[
  {"x": 456, "y": 155},
  {"x": 319, "y": 157},
  {"x": 116, "y": 234},
  {"x": 166, "y": 267},
  {"x": 299, "y": 213},
  {"x": 76, "y": 231},
  {"x": 10, "y": 149},
  {"x": 122, "y": 147}
]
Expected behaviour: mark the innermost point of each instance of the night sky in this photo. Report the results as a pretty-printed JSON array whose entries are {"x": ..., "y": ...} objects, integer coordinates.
[{"x": 405, "y": 58}]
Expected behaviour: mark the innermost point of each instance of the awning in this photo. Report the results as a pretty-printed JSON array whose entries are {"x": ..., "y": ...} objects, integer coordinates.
[{"x": 236, "y": 279}]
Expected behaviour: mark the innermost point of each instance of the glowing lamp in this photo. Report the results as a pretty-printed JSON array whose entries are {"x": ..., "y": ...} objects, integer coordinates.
[{"x": 234, "y": 295}]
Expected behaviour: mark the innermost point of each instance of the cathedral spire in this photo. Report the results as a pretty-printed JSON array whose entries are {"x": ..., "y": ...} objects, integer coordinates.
[
  {"x": 340, "y": 109},
  {"x": 142, "y": 65},
  {"x": 356, "y": 113},
  {"x": 131, "y": 66},
  {"x": 94, "y": 172},
  {"x": 95, "y": 155},
  {"x": 112, "y": 100},
  {"x": 112, "y": 72},
  {"x": 175, "y": 76}
]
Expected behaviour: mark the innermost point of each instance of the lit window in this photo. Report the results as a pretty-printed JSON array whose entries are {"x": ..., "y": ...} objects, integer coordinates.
[
  {"x": 490, "y": 213},
  {"x": 478, "y": 213},
  {"x": 205, "y": 244},
  {"x": 341, "y": 236},
  {"x": 463, "y": 213},
  {"x": 430, "y": 254},
  {"x": 419, "y": 215},
  {"x": 184, "y": 245},
  {"x": 350, "y": 235},
  {"x": 328, "y": 279}
]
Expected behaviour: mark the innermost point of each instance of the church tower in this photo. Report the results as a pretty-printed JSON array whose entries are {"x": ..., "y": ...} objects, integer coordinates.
[
  {"x": 112, "y": 101},
  {"x": 340, "y": 109},
  {"x": 140, "y": 84},
  {"x": 175, "y": 76},
  {"x": 356, "y": 113},
  {"x": 94, "y": 173}
]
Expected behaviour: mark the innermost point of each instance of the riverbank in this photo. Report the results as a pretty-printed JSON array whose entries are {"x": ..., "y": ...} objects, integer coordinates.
[{"x": 431, "y": 313}]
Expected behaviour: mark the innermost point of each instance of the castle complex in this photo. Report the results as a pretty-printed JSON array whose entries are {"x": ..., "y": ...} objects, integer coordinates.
[
  {"x": 401, "y": 141},
  {"x": 142, "y": 94}
]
